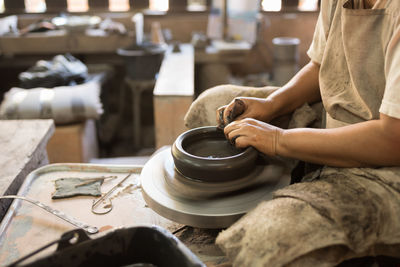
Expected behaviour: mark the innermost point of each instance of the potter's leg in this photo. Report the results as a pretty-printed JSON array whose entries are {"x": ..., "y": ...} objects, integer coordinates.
[
  {"x": 328, "y": 256},
  {"x": 278, "y": 232},
  {"x": 339, "y": 216}
]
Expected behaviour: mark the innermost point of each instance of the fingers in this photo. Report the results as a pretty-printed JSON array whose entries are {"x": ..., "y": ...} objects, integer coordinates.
[
  {"x": 237, "y": 132},
  {"x": 227, "y": 114},
  {"x": 233, "y": 140},
  {"x": 250, "y": 132},
  {"x": 240, "y": 124},
  {"x": 232, "y": 127},
  {"x": 237, "y": 109},
  {"x": 220, "y": 117},
  {"x": 233, "y": 133},
  {"x": 238, "y": 139}
]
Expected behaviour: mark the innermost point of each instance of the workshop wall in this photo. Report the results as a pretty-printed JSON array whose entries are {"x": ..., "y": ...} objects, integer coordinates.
[
  {"x": 183, "y": 24},
  {"x": 300, "y": 25}
]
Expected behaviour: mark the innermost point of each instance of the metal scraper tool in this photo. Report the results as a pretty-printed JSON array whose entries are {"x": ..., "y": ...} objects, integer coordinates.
[{"x": 89, "y": 229}]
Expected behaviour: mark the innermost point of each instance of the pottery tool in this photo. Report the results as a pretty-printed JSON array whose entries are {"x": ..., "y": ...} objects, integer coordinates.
[
  {"x": 89, "y": 229},
  {"x": 108, "y": 207}
]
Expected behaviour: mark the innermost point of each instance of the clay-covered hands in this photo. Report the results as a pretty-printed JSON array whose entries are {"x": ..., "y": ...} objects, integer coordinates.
[
  {"x": 243, "y": 122},
  {"x": 250, "y": 132},
  {"x": 244, "y": 107}
]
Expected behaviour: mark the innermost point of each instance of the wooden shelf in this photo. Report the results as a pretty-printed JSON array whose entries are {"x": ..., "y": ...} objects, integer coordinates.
[{"x": 59, "y": 42}]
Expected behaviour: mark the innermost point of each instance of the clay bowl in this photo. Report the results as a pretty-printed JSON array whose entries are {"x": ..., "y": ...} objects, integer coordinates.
[{"x": 205, "y": 154}]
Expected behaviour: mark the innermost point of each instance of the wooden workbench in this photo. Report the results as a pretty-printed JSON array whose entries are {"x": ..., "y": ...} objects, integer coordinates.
[
  {"x": 23, "y": 149},
  {"x": 173, "y": 94}
]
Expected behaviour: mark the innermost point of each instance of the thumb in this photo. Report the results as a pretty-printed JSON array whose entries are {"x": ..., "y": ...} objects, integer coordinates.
[{"x": 237, "y": 110}]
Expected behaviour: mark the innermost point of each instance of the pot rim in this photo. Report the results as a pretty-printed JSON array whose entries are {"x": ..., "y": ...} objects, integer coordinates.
[
  {"x": 211, "y": 169},
  {"x": 208, "y": 129}
]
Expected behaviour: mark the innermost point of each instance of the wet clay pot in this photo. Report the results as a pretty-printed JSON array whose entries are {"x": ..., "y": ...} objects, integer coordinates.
[{"x": 204, "y": 154}]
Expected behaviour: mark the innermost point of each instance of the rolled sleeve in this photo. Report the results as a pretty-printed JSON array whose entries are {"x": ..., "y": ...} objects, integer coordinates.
[
  {"x": 390, "y": 105},
  {"x": 317, "y": 47}
]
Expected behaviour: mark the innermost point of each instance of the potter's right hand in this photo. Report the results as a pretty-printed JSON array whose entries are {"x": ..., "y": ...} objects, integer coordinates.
[{"x": 244, "y": 107}]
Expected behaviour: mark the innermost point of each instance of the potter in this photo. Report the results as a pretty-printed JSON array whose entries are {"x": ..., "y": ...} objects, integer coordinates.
[{"x": 348, "y": 208}]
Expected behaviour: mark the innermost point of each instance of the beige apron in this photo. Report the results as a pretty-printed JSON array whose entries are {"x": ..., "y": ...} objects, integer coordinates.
[
  {"x": 343, "y": 212},
  {"x": 353, "y": 92}
]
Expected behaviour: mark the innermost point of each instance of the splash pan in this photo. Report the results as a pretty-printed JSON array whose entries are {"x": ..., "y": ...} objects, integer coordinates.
[{"x": 206, "y": 204}]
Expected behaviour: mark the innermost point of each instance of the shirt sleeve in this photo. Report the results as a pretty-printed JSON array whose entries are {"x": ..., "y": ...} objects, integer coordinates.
[
  {"x": 317, "y": 47},
  {"x": 390, "y": 105}
]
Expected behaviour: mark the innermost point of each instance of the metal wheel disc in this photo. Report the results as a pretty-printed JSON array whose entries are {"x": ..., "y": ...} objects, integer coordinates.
[{"x": 205, "y": 205}]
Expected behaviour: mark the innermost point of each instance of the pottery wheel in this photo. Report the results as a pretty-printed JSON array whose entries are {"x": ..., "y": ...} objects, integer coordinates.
[{"x": 206, "y": 204}]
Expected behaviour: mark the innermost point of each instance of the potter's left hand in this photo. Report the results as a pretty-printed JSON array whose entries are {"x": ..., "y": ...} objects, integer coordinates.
[{"x": 250, "y": 132}]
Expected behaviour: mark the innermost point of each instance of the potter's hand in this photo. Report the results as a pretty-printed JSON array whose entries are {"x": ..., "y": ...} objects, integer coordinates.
[
  {"x": 250, "y": 132},
  {"x": 243, "y": 107}
]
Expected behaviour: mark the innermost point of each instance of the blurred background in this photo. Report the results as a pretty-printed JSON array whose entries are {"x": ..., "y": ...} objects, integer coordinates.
[{"x": 135, "y": 66}]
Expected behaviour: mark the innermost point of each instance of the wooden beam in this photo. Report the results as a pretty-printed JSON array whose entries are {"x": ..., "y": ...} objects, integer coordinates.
[
  {"x": 177, "y": 5},
  {"x": 14, "y": 6},
  {"x": 56, "y": 5},
  {"x": 139, "y": 4},
  {"x": 290, "y": 4},
  {"x": 98, "y": 4}
]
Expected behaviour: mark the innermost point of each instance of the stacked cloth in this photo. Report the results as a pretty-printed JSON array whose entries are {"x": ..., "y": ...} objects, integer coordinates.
[
  {"x": 55, "y": 91},
  {"x": 64, "y": 104}
]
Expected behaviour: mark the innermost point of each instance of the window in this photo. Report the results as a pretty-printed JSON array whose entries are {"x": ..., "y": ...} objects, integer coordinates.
[
  {"x": 35, "y": 6},
  {"x": 155, "y": 6},
  {"x": 119, "y": 5},
  {"x": 159, "y": 5},
  {"x": 303, "y": 5},
  {"x": 271, "y": 5},
  {"x": 78, "y": 5},
  {"x": 308, "y": 5},
  {"x": 197, "y": 5}
]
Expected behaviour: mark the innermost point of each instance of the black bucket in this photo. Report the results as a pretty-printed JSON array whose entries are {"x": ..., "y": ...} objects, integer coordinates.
[
  {"x": 135, "y": 246},
  {"x": 142, "y": 62}
]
